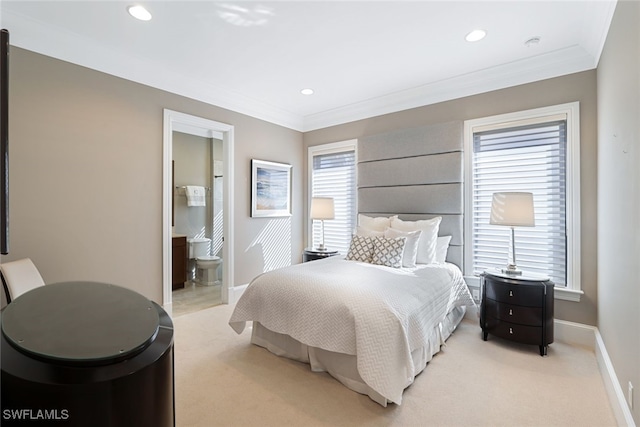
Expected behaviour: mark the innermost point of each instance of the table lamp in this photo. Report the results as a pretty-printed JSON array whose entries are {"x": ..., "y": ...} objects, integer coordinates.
[
  {"x": 513, "y": 209},
  {"x": 322, "y": 208}
]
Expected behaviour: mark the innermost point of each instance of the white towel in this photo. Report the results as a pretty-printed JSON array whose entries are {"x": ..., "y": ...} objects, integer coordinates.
[{"x": 195, "y": 195}]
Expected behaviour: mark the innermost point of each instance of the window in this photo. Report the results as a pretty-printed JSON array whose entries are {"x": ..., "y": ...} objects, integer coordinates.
[
  {"x": 332, "y": 173},
  {"x": 535, "y": 151}
]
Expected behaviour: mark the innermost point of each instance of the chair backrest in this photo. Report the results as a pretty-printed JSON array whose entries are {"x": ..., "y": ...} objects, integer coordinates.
[{"x": 19, "y": 277}]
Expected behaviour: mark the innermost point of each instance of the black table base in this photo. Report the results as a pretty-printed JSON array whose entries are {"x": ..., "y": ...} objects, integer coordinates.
[{"x": 136, "y": 391}]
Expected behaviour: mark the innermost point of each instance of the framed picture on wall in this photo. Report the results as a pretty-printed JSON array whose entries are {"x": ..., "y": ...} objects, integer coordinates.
[{"x": 270, "y": 189}]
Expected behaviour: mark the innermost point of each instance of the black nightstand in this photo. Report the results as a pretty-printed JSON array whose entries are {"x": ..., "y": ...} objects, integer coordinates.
[
  {"x": 517, "y": 308},
  {"x": 311, "y": 254}
]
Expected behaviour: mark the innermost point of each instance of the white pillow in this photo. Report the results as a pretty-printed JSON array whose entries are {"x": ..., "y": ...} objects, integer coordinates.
[
  {"x": 428, "y": 238},
  {"x": 360, "y": 249},
  {"x": 367, "y": 232},
  {"x": 388, "y": 251},
  {"x": 410, "y": 246},
  {"x": 378, "y": 224},
  {"x": 442, "y": 246}
]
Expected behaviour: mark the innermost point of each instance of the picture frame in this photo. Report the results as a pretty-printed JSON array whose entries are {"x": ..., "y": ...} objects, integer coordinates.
[{"x": 270, "y": 189}]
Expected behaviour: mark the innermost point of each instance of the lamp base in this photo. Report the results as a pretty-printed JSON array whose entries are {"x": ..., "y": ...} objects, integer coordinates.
[
  {"x": 511, "y": 270},
  {"x": 320, "y": 248}
]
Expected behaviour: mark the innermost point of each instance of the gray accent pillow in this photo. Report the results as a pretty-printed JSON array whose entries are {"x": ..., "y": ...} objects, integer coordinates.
[
  {"x": 388, "y": 251},
  {"x": 360, "y": 249}
]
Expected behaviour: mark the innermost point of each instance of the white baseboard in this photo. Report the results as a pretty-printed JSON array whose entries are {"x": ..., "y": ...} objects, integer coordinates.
[
  {"x": 575, "y": 334},
  {"x": 236, "y": 292},
  {"x": 614, "y": 390},
  {"x": 589, "y": 337}
]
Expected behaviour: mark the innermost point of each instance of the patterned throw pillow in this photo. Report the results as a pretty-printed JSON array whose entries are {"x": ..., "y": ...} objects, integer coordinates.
[
  {"x": 360, "y": 249},
  {"x": 388, "y": 251}
]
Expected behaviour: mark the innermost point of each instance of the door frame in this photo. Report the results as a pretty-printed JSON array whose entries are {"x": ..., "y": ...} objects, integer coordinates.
[{"x": 186, "y": 123}]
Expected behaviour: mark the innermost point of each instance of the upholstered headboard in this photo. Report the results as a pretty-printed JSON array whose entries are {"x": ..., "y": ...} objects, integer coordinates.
[{"x": 417, "y": 174}]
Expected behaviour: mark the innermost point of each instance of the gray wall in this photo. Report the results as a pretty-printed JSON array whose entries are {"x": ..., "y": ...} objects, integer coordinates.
[
  {"x": 86, "y": 177},
  {"x": 86, "y": 172},
  {"x": 576, "y": 87},
  {"x": 619, "y": 196}
]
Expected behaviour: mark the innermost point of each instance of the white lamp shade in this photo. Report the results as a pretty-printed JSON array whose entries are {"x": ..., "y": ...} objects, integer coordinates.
[
  {"x": 514, "y": 209},
  {"x": 322, "y": 208}
]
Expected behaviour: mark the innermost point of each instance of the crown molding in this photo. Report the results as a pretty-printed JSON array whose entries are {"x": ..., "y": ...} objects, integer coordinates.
[
  {"x": 52, "y": 41},
  {"x": 554, "y": 64}
]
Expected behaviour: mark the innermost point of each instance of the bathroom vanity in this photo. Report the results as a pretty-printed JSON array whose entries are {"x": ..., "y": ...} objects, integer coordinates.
[{"x": 179, "y": 261}]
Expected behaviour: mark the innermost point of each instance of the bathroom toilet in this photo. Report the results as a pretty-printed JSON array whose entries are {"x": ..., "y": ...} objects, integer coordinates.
[
  {"x": 204, "y": 265},
  {"x": 207, "y": 270},
  {"x": 198, "y": 246}
]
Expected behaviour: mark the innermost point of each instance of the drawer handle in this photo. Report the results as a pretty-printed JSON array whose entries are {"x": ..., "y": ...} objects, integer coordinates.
[
  {"x": 511, "y": 331},
  {"x": 510, "y": 293},
  {"x": 510, "y": 312}
]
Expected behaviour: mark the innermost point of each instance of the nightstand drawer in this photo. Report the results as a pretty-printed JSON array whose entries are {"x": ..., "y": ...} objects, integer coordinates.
[
  {"x": 513, "y": 331},
  {"x": 531, "y": 296},
  {"x": 522, "y": 315}
]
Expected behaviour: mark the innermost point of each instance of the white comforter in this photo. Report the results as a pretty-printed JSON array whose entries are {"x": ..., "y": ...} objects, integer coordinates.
[{"x": 377, "y": 313}]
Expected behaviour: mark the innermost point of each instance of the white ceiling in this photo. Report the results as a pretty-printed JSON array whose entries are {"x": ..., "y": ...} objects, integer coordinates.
[{"x": 362, "y": 58}]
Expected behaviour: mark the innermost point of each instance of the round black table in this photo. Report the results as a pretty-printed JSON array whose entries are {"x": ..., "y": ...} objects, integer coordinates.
[{"x": 86, "y": 353}]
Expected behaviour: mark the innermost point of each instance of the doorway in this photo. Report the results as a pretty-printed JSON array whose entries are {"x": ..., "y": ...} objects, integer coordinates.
[
  {"x": 197, "y": 126},
  {"x": 198, "y": 222}
]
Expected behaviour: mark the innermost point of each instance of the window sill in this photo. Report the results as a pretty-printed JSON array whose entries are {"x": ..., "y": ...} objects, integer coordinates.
[{"x": 567, "y": 294}]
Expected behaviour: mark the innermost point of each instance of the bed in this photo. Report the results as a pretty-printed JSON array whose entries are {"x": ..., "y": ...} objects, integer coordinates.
[{"x": 370, "y": 325}]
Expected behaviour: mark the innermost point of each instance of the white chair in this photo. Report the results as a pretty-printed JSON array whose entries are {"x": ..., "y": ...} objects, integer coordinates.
[{"x": 19, "y": 277}]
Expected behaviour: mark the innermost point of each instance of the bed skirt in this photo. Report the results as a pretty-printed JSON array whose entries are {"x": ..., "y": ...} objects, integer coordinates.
[{"x": 343, "y": 366}]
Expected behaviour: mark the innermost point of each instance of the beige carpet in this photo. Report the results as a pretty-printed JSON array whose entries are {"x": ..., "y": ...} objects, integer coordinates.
[{"x": 223, "y": 380}]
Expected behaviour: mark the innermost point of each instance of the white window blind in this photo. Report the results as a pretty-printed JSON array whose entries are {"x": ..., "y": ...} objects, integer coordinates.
[
  {"x": 530, "y": 158},
  {"x": 334, "y": 175}
]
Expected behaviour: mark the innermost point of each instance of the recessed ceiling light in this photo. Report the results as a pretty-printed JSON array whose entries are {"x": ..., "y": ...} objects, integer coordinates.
[
  {"x": 307, "y": 91},
  {"x": 475, "y": 35},
  {"x": 139, "y": 12}
]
